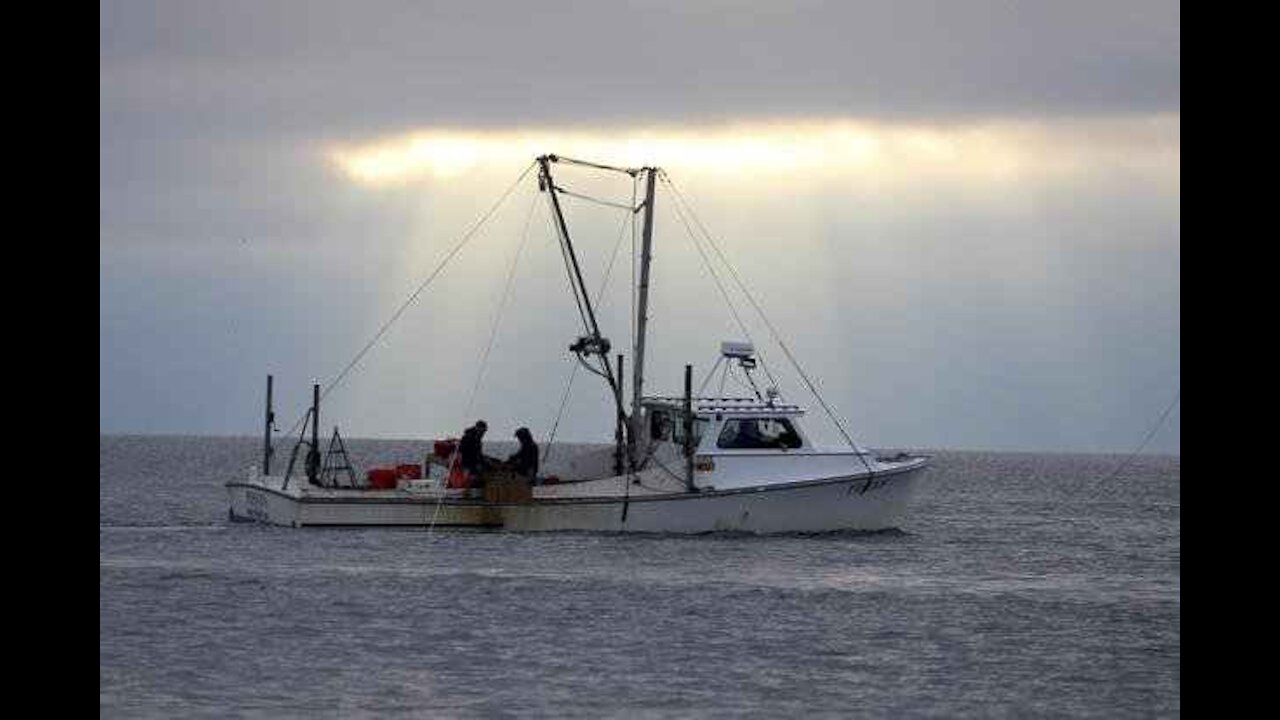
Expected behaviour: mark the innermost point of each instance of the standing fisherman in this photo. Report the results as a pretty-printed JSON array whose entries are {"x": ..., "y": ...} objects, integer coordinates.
[{"x": 471, "y": 450}]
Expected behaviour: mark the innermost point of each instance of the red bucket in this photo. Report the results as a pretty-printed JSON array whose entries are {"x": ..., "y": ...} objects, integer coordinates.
[{"x": 444, "y": 448}]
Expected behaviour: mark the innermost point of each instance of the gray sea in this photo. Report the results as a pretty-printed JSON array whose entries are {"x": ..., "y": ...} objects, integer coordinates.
[{"x": 1021, "y": 585}]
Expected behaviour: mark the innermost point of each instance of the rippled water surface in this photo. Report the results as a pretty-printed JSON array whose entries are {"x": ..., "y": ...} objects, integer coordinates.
[{"x": 1020, "y": 585}]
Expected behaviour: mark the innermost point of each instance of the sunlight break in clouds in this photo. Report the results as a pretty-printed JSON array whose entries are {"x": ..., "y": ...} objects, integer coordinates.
[{"x": 996, "y": 151}]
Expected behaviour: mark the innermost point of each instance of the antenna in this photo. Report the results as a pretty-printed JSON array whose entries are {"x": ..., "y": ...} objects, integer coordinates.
[{"x": 744, "y": 353}]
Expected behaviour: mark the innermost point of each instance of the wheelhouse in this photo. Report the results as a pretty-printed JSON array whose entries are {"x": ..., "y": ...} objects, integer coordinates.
[{"x": 726, "y": 425}]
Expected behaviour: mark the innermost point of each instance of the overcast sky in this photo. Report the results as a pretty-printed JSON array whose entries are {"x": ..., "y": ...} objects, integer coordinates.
[{"x": 963, "y": 217}]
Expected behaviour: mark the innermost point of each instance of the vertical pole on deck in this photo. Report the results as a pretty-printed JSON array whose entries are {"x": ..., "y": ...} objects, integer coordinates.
[
  {"x": 642, "y": 312},
  {"x": 266, "y": 434},
  {"x": 313, "y": 455},
  {"x": 688, "y": 427},
  {"x": 619, "y": 444}
]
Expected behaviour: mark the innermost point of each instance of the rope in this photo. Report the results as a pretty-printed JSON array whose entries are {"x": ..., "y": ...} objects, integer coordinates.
[
  {"x": 723, "y": 292},
  {"x": 564, "y": 400},
  {"x": 1159, "y": 423},
  {"x": 748, "y": 386},
  {"x": 629, "y": 208},
  {"x": 710, "y": 374},
  {"x": 772, "y": 330},
  {"x": 414, "y": 296},
  {"x": 572, "y": 161},
  {"x": 431, "y": 526},
  {"x": 604, "y": 284},
  {"x": 608, "y": 271},
  {"x": 484, "y": 361},
  {"x": 497, "y": 318},
  {"x": 568, "y": 269}
]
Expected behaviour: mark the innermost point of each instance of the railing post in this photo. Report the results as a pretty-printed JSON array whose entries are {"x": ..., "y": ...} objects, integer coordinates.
[{"x": 688, "y": 427}]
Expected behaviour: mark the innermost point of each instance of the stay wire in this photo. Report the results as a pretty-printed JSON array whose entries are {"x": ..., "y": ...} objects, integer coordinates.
[
  {"x": 506, "y": 294},
  {"x": 618, "y": 206},
  {"x": 1150, "y": 434},
  {"x": 568, "y": 269},
  {"x": 418, "y": 291},
  {"x": 604, "y": 284},
  {"x": 585, "y": 163},
  {"x": 608, "y": 272},
  {"x": 555, "y": 425},
  {"x": 772, "y": 330},
  {"x": 710, "y": 374},
  {"x": 502, "y": 304},
  {"x": 723, "y": 292}
]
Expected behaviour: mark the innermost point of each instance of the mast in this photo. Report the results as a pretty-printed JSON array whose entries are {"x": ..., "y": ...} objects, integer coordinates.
[
  {"x": 642, "y": 310},
  {"x": 313, "y": 455},
  {"x": 688, "y": 428},
  {"x": 266, "y": 434},
  {"x": 619, "y": 433}
]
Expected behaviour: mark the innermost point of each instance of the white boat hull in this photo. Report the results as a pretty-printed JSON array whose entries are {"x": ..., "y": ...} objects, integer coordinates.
[
  {"x": 862, "y": 502},
  {"x": 854, "y": 503}
]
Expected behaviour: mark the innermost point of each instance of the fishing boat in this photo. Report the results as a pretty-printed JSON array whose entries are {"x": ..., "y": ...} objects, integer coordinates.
[{"x": 688, "y": 463}]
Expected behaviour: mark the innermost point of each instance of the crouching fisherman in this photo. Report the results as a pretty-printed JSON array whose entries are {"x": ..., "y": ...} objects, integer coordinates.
[{"x": 525, "y": 460}]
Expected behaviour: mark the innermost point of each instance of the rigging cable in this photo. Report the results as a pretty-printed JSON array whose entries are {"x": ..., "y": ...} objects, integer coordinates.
[
  {"x": 421, "y": 286},
  {"x": 772, "y": 330},
  {"x": 723, "y": 292},
  {"x": 502, "y": 304},
  {"x": 572, "y": 161},
  {"x": 583, "y": 302},
  {"x": 1159, "y": 423},
  {"x": 629, "y": 208},
  {"x": 710, "y": 374},
  {"x": 573, "y": 288},
  {"x": 555, "y": 425},
  {"x": 548, "y": 184},
  {"x": 484, "y": 361},
  {"x": 604, "y": 284}
]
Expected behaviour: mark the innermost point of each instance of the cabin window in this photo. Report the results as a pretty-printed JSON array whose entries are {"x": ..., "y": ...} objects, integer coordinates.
[
  {"x": 758, "y": 433},
  {"x": 659, "y": 425}
]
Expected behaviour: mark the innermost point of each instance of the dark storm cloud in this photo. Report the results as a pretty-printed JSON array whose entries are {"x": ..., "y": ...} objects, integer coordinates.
[{"x": 379, "y": 67}]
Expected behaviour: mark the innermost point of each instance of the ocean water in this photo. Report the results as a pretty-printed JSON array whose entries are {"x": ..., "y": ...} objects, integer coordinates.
[{"x": 1021, "y": 585}]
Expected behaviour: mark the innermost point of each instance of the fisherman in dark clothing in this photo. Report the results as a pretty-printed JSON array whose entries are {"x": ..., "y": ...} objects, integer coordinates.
[
  {"x": 525, "y": 460},
  {"x": 471, "y": 450}
]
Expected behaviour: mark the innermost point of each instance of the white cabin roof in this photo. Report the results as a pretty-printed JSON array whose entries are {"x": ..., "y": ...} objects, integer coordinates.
[{"x": 725, "y": 406}]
